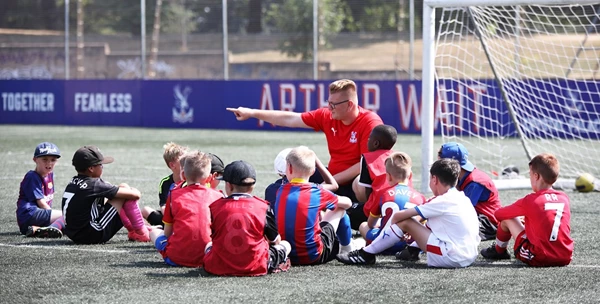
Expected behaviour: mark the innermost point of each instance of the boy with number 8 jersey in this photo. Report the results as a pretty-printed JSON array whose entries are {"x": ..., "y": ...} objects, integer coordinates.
[
  {"x": 245, "y": 241},
  {"x": 545, "y": 239}
]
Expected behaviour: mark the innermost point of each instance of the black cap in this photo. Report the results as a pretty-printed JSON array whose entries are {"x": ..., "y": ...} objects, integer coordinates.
[
  {"x": 46, "y": 149},
  {"x": 239, "y": 173},
  {"x": 216, "y": 164},
  {"x": 88, "y": 156}
]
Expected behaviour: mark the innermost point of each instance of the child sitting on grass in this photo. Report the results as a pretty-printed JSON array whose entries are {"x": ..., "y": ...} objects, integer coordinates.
[
  {"x": 311, "y": 218},
  {"x": 35, "y": 216},
  {"x": 95, "y": 210},
  {"x": 172, "y": 153},
  {"x": 187, "y": 215},
  {"x": 545, "y": 238},
  {"x": 245, "y": 241}
]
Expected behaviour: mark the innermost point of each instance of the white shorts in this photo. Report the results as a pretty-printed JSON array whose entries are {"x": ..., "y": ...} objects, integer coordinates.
[{"x": 439, "y": 254}]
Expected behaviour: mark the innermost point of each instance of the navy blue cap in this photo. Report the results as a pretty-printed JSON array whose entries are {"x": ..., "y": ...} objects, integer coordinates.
[{"x": 46, "y": 149}]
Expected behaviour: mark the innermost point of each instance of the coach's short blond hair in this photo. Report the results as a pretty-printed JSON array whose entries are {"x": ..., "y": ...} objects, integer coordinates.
[
  {"x": 342, "y": 85},
  {"x": 302, "y": 159},
  {"x": 196, "y": 167},
  {"x": 172, "y": 152},
  {"x": 398, "y": 165}
]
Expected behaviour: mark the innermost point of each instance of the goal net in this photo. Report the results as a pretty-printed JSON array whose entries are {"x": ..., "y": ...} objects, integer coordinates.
[{"x": 516, "y": 81}]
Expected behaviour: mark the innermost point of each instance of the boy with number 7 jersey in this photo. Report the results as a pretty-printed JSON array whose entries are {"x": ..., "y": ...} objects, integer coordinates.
[
  {"x": 89, "y": 217},
  {"x": 545, "y": 238}
]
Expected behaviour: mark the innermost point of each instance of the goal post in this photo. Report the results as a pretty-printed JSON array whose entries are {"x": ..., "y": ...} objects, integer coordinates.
[{"x": 512, "y": 79}]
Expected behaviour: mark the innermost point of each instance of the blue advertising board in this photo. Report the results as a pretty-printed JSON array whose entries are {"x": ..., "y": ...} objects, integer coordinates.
[{"x": 567, "y": 110}]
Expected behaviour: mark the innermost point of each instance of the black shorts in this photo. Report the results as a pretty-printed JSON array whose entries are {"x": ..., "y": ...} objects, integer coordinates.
[
  {"x": 278, "y": 259},
  {"x": 101, "y": 230},
  {"x": 343, "y": 190},
  {"x": 487, "y": 230},
  {"x": 357, "y": 215},
  {"x": 331, "y": 245},
  {"x": 155, "y": 218}
]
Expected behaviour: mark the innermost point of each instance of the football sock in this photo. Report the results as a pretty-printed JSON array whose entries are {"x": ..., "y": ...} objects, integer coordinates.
[
  {"x": 502, "y": 238},
  {"x": 125, "y": 220},
  {"x": 386, "y": 239},
  {"x": 132, "y": 211},
  {"x": 344, "y": 232},
  {"x": 59, "y": 223}
]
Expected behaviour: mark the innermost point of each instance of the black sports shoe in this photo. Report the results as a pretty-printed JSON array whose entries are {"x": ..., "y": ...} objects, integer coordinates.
[
  {"x": 492, "y": 254},
  {"x": 356, "y": 257},
  {"x": 30, "y": 231},
  {"x": 48, "y": 232},
  {"x": 409, "y": 254}
]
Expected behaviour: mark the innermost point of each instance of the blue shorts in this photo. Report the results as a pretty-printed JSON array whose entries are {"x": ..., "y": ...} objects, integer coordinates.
[
  {"x": 374, "y": 233},
  {"x": 161, "y": 244},
  {"x": 40, "y": 217}
]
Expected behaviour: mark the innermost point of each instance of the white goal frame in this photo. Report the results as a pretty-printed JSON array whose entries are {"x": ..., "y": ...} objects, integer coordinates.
[{"x": 428, "y": 74}]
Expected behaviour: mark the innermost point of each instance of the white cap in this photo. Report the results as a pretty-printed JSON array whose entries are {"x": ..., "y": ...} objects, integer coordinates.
[{"x": 280, "y": 163}]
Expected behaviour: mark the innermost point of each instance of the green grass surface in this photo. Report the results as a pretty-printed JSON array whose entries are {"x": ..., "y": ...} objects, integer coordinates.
[{"x": 57, "y": 271}]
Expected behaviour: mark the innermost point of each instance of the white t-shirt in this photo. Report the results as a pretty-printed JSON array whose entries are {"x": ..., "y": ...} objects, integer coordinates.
[{"x": 452, "y": 218}]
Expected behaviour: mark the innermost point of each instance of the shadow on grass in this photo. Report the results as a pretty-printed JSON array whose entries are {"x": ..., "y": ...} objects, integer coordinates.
[
  {"x": 422, "y": 264},
  {"x": 10, "y": 233},
  {"x": 191, "y": 273},
  {"x": 48, "y": 242},
  {"x": 143, "y": 264}
]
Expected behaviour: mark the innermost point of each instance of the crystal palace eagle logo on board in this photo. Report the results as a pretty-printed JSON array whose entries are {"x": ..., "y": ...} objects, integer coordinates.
[{"x": 182, "y": 112}]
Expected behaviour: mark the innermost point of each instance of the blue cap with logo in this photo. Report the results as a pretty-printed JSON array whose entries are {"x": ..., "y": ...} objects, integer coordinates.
[
  {"x": 457, "y": 151},
  {"x": 46, "y": 149}
]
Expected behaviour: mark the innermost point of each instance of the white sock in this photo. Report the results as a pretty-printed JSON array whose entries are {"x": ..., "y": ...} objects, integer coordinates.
[
  {"x": 346, "y": 248},
  {"x": 386, "y": 239}
]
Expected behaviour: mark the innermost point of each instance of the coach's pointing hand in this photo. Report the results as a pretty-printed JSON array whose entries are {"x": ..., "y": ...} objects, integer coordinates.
[{"x": 241, "y": 113}]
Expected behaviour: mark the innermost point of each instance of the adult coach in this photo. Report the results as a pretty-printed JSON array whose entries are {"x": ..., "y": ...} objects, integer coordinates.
[{"x": 346, "y": 125}]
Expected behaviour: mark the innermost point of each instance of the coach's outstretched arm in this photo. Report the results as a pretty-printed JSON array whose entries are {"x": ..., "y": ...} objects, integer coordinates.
[{"x": 276, "y": 117}]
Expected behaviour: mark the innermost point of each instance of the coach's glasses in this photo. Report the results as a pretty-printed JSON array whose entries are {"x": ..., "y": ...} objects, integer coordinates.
[{"x": 332, "y": 105}]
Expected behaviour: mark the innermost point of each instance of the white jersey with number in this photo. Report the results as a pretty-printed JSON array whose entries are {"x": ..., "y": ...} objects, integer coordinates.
[{"x": 452, "y": 219}]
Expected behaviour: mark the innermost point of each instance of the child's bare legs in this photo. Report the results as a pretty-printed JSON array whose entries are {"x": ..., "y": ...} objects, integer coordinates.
[
  {"x": 155, "y": 234},
  {"x": 146, "y": 212},
  {"x": 417, "y": 231},
  {"x": 364, "y": 229},
  {"x": 359, "y": 191},
  {"x": 506, "y": 229}
]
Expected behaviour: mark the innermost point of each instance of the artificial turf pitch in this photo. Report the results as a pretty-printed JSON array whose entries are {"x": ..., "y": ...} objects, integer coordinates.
[{"x": 57, "y": 271}]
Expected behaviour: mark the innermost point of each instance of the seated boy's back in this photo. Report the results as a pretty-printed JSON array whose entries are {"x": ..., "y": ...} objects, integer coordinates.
[
  {"x": 542, "y": 211},
  {"x": 544, "y": 239},
  {"x": 189, "y": 214},
  {"x": 243, "y": 229},
  {"x": 297, "y": 211}
]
